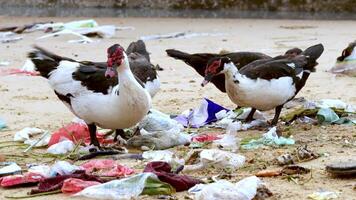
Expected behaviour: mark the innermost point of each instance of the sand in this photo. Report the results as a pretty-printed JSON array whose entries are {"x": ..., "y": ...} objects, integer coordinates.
[{"x": 29, "y": 101}]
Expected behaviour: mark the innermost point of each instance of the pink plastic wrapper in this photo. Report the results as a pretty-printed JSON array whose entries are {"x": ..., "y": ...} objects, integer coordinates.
[
  {"x": 106, "y": 167},
  {"x": 75, "y": 132},
  {"x": 15, "y": 180},
  {"x": 205, "y": 138},
  {"x": 12, "y": 71},
  {"x": 74, "y": 185}
]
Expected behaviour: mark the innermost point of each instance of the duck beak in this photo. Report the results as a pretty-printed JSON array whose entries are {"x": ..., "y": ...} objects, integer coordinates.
[
  {"x": 206, "y": 80},
  {"x": 110, "y": 72}
]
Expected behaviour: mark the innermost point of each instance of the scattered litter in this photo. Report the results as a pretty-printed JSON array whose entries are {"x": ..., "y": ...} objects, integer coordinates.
[
  {"x": 323, "y": 195},
  {"x": 229, "y": 141},
  {"x": 270, "y": 138},
  {"x": 179, "y": 35},
  {"x": 159, "y": 140},
  {"x": 22, "y": 28},
  {"x": 74, "y": 185},
  {"x": 16, "y": 180},
  {"x": 269, "y": 173},
  {"x": 346, "y": 63},
  {"x": 83, "y": 39},
  {"x": 25, "y": 136},
  {"x": 106, "y": 167},
  {"x": 62, "y": 168},
  {"x": 246, "y": 189},
  {"x": 345, "y": 168},
  {"x": 6, "y": 37},
  {"x": 205, "y": 138},
  {"x": 218, "y": 159},
  {"x": 164, "y": 173},
  {"x": 61, "y": 147},
  {"x": 164, "y": 156},
  {"x": 294, "y": 169},
  {"x": 158, "y": 121},
  {"x": 96, "y": 153},
  {"x": 56, "y": 183},
  {"x": 303, "y": 153},
  {"x": 10, "y": 168},
  {"x": 285, "y": 159},
  {"x": 327, "y": 115},
  {"x": 127, "y": 188},
  {"x": 204, "y": 114}
]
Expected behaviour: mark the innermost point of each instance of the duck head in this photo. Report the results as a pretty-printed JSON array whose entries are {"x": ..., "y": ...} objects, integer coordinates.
[
  {"x": 115, "y": 59},
  {"x": 215, "y": 67}
]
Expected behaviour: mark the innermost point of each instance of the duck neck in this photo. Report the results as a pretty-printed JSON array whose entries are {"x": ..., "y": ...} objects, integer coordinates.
[
  {"x": 126, "y": 77},
  {"x": 230, "y": 71}
]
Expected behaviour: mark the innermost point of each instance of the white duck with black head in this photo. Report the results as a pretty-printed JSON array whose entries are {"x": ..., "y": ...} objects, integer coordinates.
[
  {"x": 265, "y": 85},
  {"x": 102, "y": 94}
]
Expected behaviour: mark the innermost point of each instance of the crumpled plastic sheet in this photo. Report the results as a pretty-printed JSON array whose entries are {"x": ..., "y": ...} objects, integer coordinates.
[
  {"x": 178, "y": 35},
  {"x": 229, "y": 141},
  {"x": 270, "y": 138},
  {"x": 106, "y": 167},
  {"x": 164, "y": 173},
  {"x": 200, "y": 116},
  {"x": 74, "y": 185},
  {"x": 160, "y": 139},
  {"x": 226, "y": 118},
  {"x": 323, "y": 195},
  {"x": 206, "y": 138},
  {"x": 75, "y": 132},
  {"x": 20, "y": 179},
  {"x": 62, "y": 147},
  {"x": 56, "y": 183},
  {"x": 246, "y": 189},
  {"x": 26, "y": 133},
  {"x": 218, "y": 159},
  {"x": 158, "y": 121},
  {"x": 10, "y": 168},
  {"x": 164, "y": 156},
  {"x": 6, "y": 37},
  {"x": 63, "y": 168},
  {"x": 122, "y": 189}
]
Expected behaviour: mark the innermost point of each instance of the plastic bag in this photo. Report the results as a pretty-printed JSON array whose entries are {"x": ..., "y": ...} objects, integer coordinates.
[
  {"x": 10, "y": 168},
  {"x": 327, "y": 115},
  {"x": 123, "y": 189},
  {"x": 15, "y": 180},
  {"x": 106, "y": 167},
  {"x": 160, "y": 139},
  {"x": 158, "y": 121},
  {"x": 246, "y": 189},
  {"x": 63, "y": 168},
  {"x": 61, "y": 148},
  {"x": 26, "y": 133},
  {"x": 163, "y": 155},
  {"x": 270, "y": 138},
  {"x": 323, "y": 195},
  {"x": 218, "y": 159},
  {"x": 74, "y": 185},
  {"x": 229, "y": 141}
]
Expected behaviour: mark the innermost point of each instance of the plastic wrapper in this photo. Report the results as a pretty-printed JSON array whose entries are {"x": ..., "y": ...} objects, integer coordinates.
[
  {"x": 10, "y": 168},
  {"x": 246, "y": 189},
  {"x": 74, "y": 185},
  {"x": 15, "y": 180},
  {"x": 158, "y": 121},
  {"x": 63, "y": 147},
  {"x": 106, "y": 167},
  {"x": 163, "y": 155},
  {"x": 63, "y": 168}
]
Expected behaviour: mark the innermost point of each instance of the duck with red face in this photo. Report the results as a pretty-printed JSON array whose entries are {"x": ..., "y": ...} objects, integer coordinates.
[{"x": 267, "y": 84}]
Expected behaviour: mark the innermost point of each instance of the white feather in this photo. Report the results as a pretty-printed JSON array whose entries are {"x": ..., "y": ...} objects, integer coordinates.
[{"x": 153, "y": 86}]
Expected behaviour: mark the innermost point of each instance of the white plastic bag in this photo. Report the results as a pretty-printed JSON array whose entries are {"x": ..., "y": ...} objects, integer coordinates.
[
  {"x": 25, "y": 134},
  {"x": 63, "y": 168},
  {"x": 123, "y": 189},
  {"x": 229, "y": 141},
  {"x": 245, "y": 189},
  {"x": 62, "y": 147},
  {"x": 158, "y": 121},
  {"x": 218, "y": 159},
  {"x": 10, "y": 169},
  {"x": 163, "y": 155}
]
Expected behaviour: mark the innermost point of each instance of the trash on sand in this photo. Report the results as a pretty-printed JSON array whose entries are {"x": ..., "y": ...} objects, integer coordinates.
[
  {"x": 56, "y": 183},
  {"x": 285, "y": 159},
  {"x": 323, "y": 195},
  {"x": 20, "y": 29},
  {"x": 10, "y": 168},
  {"x": 77, "y": 133},
  {"x": 345, "y": 168},
  {"x": 96, "y": 153},
  {"x": 178, "y": 35},
  {"x": 164, "y": 173},
  {"x": 158, "y": 121},
  {"x": 6, "y": 37},
  {"x": 205, "y": 138},
  {"x": 62, "y": 168},
  {"x": 287, "y": 170},
  {"x": 127, "y": 188},
  {"x": 164, "y": 156},
  {"x": 61, "y": 147},
  {"x": 218, "y": 159},
  {"x": 327, "y": 115},
  {"x": 16, "y": 180},
  {"x": 25, "y": 136},
  {"x": 74, "y": 185},
  {"x": 2, "y": 124},
  {"x": 226, "y": 118},
  {"x": 270, "y": 138},
  {"x": 303, "y": 153},
  {"x": 159, "y": 140},
  {"x": 200, "y": 116},
  {"x": 106, "y": 167},
  {"x": 229, "y": 141},
  {"x": 346, "y": 63},
  {"x": 246, "y": 189},
  {"x": 269, "y": 173},
  {"x": 83, "y": 39}
]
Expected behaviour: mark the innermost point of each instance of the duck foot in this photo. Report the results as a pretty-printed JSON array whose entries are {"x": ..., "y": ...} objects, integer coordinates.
[{"x": 249, "y": 118}]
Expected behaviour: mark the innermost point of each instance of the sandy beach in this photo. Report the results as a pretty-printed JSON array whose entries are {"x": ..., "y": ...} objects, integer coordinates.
[{"x": 28, "y": 101}]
